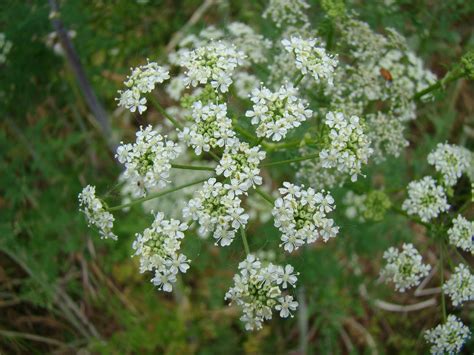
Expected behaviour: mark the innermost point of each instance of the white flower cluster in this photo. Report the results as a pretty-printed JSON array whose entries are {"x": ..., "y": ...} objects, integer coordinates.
[
  {"x": 95, "y": 212},
  {"x": 240, "y": 164},
  {"x": 5, "y": 47},
  {"x": 254, "y": 45},
  {"x": 311, "y": 57},
  {"x": 349, "y": 146},
  {"x": 460, "y": 286},
  {"x": 244, "y": 84},
  {"x": 277, "y": 112},
  {"x": 404, "y": 268},
  {"x": 287, "y": 12},
  {"x": 386, "y": 135},
  {"x": 211, "y": 127},
  {"x": 214, "y": 63},
  {"x": 147, "y": 161},
  {"x": 259, "y": 290},
  {"x": 301, "y": 216},
  {"x": 425, "y": 199},
  {"x": 451, "y": 161},
  {"x": 461, "y": 234},
  {"x": 218, "y": 210},
  {"x": 355, "y": 205},
  {"x": 448, "y": 337},
  {"x": 158, "y": 248},
  {"x": 142, "y": 81}
]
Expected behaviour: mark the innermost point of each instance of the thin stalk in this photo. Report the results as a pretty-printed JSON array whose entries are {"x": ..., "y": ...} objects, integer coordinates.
[
  {"x": 443, "y": 301},
  {"x": 450, "y": 76},
  {"x": 244, "y": 240},
  {"x": 160, "y": 108},
  {"x": 155, "y": 195},
  {"x": 191, "y": 167},
  {"x": 298, "y": 79},
  {"x": 404, "y": 214},
  {"x": 265, "y": 196},
  {"x": 280, "y": 162},
  {"x": 244, "y": 132}
]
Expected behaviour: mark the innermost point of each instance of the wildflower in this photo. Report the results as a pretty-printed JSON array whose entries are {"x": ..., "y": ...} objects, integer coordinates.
[
  {"x": 239, "y": 163},
  {"x": 301, "y": 216},
  {"x": 404, "y": 268},
  {"x": 95, "y": 212},
  {"x": 214, "y": 63},
  {"x": 448, "y": 337},
  {"x": 142, "y": 80},
  {"x": 147, "y": 161},
  {"x": 460, "y": 286},
  {"x": 451, "y": 161},
  {"x": 284, "y": 12},
  {"x": 218, "y": 211},
  {"x": 461, "y": 234},
  {"x": 258, "y": 291},
  {"x": 158, "y": 248},
  {"x": 425, "y": 199},
  {"x": 211, "y": 127},
  {"x": 311, "y": 57},
  {"x": 349, "y": 146},
  {"x": 277, "y": 112}
]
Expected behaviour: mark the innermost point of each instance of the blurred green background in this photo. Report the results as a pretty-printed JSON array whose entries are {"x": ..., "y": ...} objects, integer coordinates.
[{"x": 62, "y": 289}]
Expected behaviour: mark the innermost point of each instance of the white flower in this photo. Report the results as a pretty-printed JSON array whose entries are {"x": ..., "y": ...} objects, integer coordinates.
[
  {"x": 257, "y": 292},
  {"x": 277, "y": 112},
  {"x": 211, "y": 127},
  {"x": 142, "y": 80},
  {"x": 286, "y": 276},
  {"x": 404, "y": 268},
  {"x": 158, "y": 248},
  {"x": 425, "y": 199},
  {"x": 95, "y": 212},
  {"x": 218, "y": 211},
  {"x": 176, "y": 87},
  {"x": 301, "y": 216},
  {"x": 349, "y": 146},
  {"x": 287, "y": 12},
  {"x": 214, "y": 63},
  {"x": 451, "y": 161},
  {"x": 147, "y": 161},
  {"x": 461, "y": 234},
  {"x": 286, "y": 305},
  {"x": 460, "y": 286},
  {"x": 448, "y": 337},
  {"x": 311, "y": 57},
  {"x": 239, "y": 163}
]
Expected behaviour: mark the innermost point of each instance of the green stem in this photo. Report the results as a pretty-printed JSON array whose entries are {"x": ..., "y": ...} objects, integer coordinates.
[
  {"x": 191, "y": 167},
  {"x": 244, "y": 132},
  {"x": 155, "y": 195},
  {"x": 265, "y": 196},
  {"x": 307, "y": 157},
  {"x": 443, "y": 300},
  {"x": 160, "y": 108},
  {"x": 404, "y": 214},
  {"x": 298, "y": 79},
  {"x": 244, "y": 240},
  {"x": 450, "y": 76}
]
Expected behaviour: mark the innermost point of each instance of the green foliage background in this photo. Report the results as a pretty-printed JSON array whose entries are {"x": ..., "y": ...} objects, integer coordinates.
[{"x": 62, "y": 288}]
